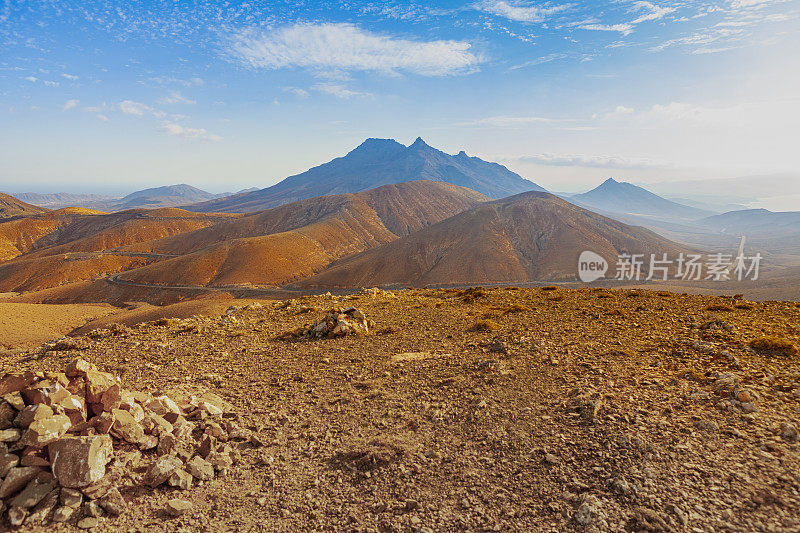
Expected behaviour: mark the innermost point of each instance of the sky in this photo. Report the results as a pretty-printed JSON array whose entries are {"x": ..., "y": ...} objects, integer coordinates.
[{"x": 111, "y": 97}]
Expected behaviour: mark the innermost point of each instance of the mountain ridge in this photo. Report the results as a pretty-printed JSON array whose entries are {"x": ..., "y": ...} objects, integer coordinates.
[{"x": 376, "y": 162}]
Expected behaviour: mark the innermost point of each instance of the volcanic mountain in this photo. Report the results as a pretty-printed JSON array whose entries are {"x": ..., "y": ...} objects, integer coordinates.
[
  {"x": 761, "y": 222},
  {"x": 374, "y": 163},
  {"x": 619, "y": 197},
  {"x": 296, "y": 240},
  {"x": 530, "y": 236},
  {"x": 13, "y": 207}
]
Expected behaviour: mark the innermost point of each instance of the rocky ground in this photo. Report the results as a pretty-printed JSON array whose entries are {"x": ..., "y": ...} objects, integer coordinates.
[{"x": 497, "y": 410}]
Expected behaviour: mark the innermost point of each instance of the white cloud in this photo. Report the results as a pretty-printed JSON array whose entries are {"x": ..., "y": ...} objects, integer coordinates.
[
  {"x": 170, "y": 128},
  {"x": 653, "y": 12},
  {"x": 32, "y": 79},
  {"x": 339, "y": 91},
  {"x": 51, "y": 83},
  {"x": 541, "y": 60},
  {"x": 175, "y": 98},
  {"x": 69, "y": 104},
  {"x": 297, "y": 91},
  {"x": 102, "y": 117},
  {"x": 624, "y": 29},
  {"x": 134, "y": 108},
  {"x": 505, "y": 121},
  {"x": 69, "y": 77},
  {"x": 343, "y": 46},
  {"x": 518, "y": 11}
]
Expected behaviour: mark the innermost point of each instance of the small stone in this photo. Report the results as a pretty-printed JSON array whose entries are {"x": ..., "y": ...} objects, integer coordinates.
[
  {"x": 200, "y": 468},
  {"x": 93, "y": 508},
  {"x": 80, "y": 461},
  {"x": 71, "y": 497},
  {"x": 162, "y": 469},
  {"x": 788, "y": 432},
  {"x": 208, "y": 444},
  {"x": 33, "y": 493},
  {"x": 16, "y": 516},
  {"x": 79, "y": 367},
  {"x": 96, "y": 384},
  {"x": 551, "y": 459},
  {"x": 126, "y": 427},
  {"x": 178, "y": 507},
  {"x": 16, "y": 479},
  {"x": 113, "y": 502},
  {"x": 44, "y": 508},
  {"x": 63, "y": 514},
  {"x": 181, "y": 479},
  {"x": 103, "y": 422},
  {"x": 748, "y": 407},
  {"x": 44, "y": 431},
  {"x": 167, "y": 442},
  {"x": 90, "y": 522},
  {"x": 10, "y": 435},
  {"x": 7, "y": 462},
  {"x": 31, "y": 413}
]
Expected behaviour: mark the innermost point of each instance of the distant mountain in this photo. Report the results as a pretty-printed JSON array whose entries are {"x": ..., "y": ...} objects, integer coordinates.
[
  {"x": 167, "y": 196},
  {"x": 528, "y": 237},
  {"x": 755, "y": 222},
  {"x": 62, "y": 199},
  {"x": 296, "y": 240},
  {"x": 618, "y": 197},
  {"x": 13, "y": 207},
  {"x": 379, "y": 162}
]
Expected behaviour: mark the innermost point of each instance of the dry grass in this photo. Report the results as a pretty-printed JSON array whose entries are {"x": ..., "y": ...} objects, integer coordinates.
[
  {"x": 550, "y": 288},
  {"x": 485, "y": 325},
  {"x": 747, "y": 306},
  {"x": 516, "y": 308},
  {"x": 773, "y": 346}
]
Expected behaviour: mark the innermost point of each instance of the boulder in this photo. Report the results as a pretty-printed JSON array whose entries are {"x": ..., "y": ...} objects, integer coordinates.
[
  {"x": 46, "y": 430},
  {"x": 162, "y": 469},
  {"x": 80, "y": 461}
]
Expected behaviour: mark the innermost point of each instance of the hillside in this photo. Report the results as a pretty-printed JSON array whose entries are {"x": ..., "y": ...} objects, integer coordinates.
[
  {"x": 374, "y": 163},
  {"x": 13, "y": 207},
  {"x": 528, "y": 237},
  {"x": 625, "y": 198},
  {"x": 61, "y": 246},
  {"x": 296, "y": 240},
  {"x": 585, "y": 410},
  {"x": 755, "y": 222},
  {"x": 62, "y": 199}
]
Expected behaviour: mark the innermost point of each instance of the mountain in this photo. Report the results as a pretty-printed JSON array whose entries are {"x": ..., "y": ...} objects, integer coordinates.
[
  {"x": 167, "y": 196},
  {"x": 619, "y": 197},
  {"x": 755, "y": 222},
  {"x": 13, "y": 207},
  {"x": 62, "y": 199},
  {"x": 528, "y": 237},
  {"x": 296, "y": 240},
  {"x": 374, "y": 163}
]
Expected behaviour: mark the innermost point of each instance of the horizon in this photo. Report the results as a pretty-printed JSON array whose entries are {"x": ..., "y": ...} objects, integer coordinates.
[{"x": 229, "y": 97}]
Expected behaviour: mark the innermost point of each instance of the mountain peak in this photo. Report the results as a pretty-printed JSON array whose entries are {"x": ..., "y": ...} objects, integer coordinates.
[
  {"x": 610, "y": 181},
  {"x": 419, "y": 143}
]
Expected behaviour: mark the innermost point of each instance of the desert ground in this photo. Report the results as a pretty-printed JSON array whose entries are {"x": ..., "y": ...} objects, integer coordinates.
[{"x": 535, "y": 409}]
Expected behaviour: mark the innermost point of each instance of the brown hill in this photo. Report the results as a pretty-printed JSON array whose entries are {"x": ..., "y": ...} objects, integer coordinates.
[
  {"x": 12, "y": 207},
  {"x": 296, "y": 240},
  {"x": 530, "y": 236}
]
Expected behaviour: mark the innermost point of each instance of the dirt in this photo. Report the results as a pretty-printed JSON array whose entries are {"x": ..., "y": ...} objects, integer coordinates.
[
  {"x": 29, "y": 325},
  {"x": 586, "y": 410}
]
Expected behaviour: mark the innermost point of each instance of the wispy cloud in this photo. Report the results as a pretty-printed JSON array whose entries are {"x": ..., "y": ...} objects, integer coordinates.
[
  {"x": 130, "y": 107},
  {"x": 347, "y": 47},
  {"x": 69, "y": 104},
  {"x": 297, "y": 91},
  {"x": 506, "y": 121},
  {"x": 595, "y": 161},
  {"x": 541, "y": 60},
  {"x": 519, "y": 11},
  {"x": 70, "y": 77},
  {"x": 175, "y": 98},
  {"x": 339, "y": 91},
  {"x": 177, "y": 130}
]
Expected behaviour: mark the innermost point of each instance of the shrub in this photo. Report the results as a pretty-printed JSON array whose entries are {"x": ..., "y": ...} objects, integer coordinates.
[
  {"x": 485, "y": 325},
  {"x": 773, "y": 346},
  {"x": 719, "y": 307}
]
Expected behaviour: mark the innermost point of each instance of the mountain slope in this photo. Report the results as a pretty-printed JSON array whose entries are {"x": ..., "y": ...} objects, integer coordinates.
[
  {"x": 374, "y": 163},
  {"x": 62, "y": 199},
  {"x": 619, "y": 197},
  {"x": 13, "y": 207},
  {"x": 531, "y": 236},
  {"x": 760, "y": 222},
  {"x": 296, "y": 240}
]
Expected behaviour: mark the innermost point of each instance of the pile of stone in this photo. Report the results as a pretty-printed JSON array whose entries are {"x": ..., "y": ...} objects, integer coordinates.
[
  {"x": 71, "y": 443},
  {"x": 338, "y": 323}
]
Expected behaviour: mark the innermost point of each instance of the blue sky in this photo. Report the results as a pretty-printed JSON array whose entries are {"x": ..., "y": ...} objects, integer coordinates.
[{"x": 106, "y": 96}]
